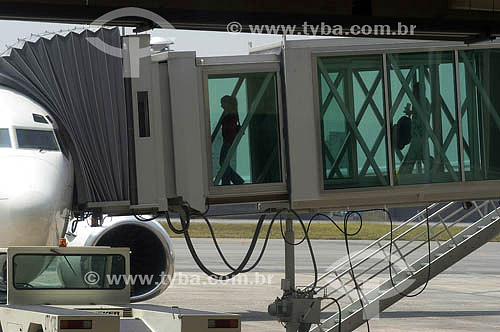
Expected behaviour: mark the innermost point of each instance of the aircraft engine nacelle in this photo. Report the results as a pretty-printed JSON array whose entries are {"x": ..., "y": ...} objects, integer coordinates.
[{"x": 151, "y": 252}]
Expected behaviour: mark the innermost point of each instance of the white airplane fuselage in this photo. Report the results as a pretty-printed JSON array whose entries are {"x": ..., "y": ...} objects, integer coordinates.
[
  {"x": 36, "y": 192},
  {"x": 36, "y": 177}
]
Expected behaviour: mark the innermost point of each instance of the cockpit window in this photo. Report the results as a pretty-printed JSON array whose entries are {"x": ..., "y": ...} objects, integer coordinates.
[
  {"x": 4, "y": 138},
  {"x": 36, "y": 139},
  {"x": 39, "y": 118}
]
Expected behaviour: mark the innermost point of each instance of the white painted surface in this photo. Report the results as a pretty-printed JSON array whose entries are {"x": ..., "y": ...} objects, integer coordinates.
[{"x": 36, "y": 186}]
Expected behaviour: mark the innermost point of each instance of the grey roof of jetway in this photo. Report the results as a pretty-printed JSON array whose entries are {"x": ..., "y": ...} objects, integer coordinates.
[{"x": 358, "y": 43}]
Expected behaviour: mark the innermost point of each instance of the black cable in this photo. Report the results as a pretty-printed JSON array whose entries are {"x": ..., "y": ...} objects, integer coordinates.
[
  {"x": 429, "y": 256},
  {"x": 242, "y": 265},
  {"x": 206, "y": 210},
  {"x": 241, "y": 268},
  {"x": 284, "y": 238},
  {"x": 353, "y": 274},
  {"x": 80, "y": 217},
  {"x": 339, "y": 308},
  {"x": 189, "y": 212},
  {"x": 309, "y": 244},
  {"x": 185, "y": 227},
  {"x": 214, "y": 238},
  {"x": 74, "y": 226},
  {"x": 140, "y": 218},
  {"x": 337, "y": 226}
]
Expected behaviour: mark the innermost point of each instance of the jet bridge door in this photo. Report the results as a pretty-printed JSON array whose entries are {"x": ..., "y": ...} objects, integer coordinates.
[{"x": 243, "y": 128}]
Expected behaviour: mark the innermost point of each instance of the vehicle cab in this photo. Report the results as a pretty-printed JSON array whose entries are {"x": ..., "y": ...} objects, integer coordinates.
[{"x": 86, "y": 289}]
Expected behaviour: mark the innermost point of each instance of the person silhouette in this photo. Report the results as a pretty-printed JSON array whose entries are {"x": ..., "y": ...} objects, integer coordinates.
[
  {"x": 230, "y": 128},
  {"x": 418, "y": 152}
]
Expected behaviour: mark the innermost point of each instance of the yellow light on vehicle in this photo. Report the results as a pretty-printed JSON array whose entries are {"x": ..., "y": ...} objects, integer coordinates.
[{"x": 66, "y": 324}]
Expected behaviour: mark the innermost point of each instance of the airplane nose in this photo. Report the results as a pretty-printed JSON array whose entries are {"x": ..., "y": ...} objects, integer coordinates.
[{"x": 27, "y": 200}]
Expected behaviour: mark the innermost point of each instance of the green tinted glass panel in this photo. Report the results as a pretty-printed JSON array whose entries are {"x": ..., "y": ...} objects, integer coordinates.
[
  {"x": 244, "y": 126},
  {"x": 37, "y": 271},
  {"x": 422, "y": 98},
  {"x": 480, "y": 106},
  {"x": 353, "y": 125}
]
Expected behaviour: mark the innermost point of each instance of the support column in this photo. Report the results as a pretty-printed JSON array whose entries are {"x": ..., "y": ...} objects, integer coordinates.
[
  {"x": 289, "y": 255},
  {"x": 288, "y": 283}
]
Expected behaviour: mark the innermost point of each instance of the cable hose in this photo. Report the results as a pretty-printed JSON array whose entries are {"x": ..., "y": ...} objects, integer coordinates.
[
  {"x": 239, "y": 269},
  {"x": 189, "y": 213},
  {"x": 185, "y": 227},
  {"x": 309, "y": 244},
  {"x": 221, "y": 254}
]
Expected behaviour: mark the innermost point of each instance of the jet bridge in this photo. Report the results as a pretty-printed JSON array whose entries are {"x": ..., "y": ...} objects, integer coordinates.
[
  {"x": 392, "y": 123},
  {"x": 340, "y": 123},
  {"x": 312, "y": 124},
  {"x": 200, "y": 157}
]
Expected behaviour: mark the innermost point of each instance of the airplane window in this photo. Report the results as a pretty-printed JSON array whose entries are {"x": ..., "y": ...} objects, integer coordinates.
[
  {"x": 39, "y": 118},
  {"x": 4, "y": 138},
  {"x": 36, "y": 139}
]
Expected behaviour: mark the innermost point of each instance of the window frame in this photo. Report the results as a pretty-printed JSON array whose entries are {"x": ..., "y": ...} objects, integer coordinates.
[
  {"x": 318, "y": 119},
  {"x": 215, "y": 191},
  {"x": 65, "y": 289},
  {"x": 39, "y": 118},
  {"x": 382, "y": 52},
  {"x": 35, "y": 129}
]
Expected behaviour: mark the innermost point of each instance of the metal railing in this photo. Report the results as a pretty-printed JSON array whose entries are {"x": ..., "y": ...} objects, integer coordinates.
[{"x": 438, "y": 214}]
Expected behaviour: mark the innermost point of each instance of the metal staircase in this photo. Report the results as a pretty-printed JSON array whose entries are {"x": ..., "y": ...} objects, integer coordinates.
[{"x": 409, "y": 261}]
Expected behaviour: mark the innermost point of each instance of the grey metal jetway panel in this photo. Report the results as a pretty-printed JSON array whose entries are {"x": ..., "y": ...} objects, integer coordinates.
[
  {"x": 187, "y": 128},
  {"x": 145, "y": 143},
  {"x": 305, "y": 152},
  {"x": 152, "y": 133},
  {"x": 161, "y": 70}
]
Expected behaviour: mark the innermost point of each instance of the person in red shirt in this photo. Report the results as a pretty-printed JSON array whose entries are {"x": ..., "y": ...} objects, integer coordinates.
[{"x": 230, "y": 128}]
